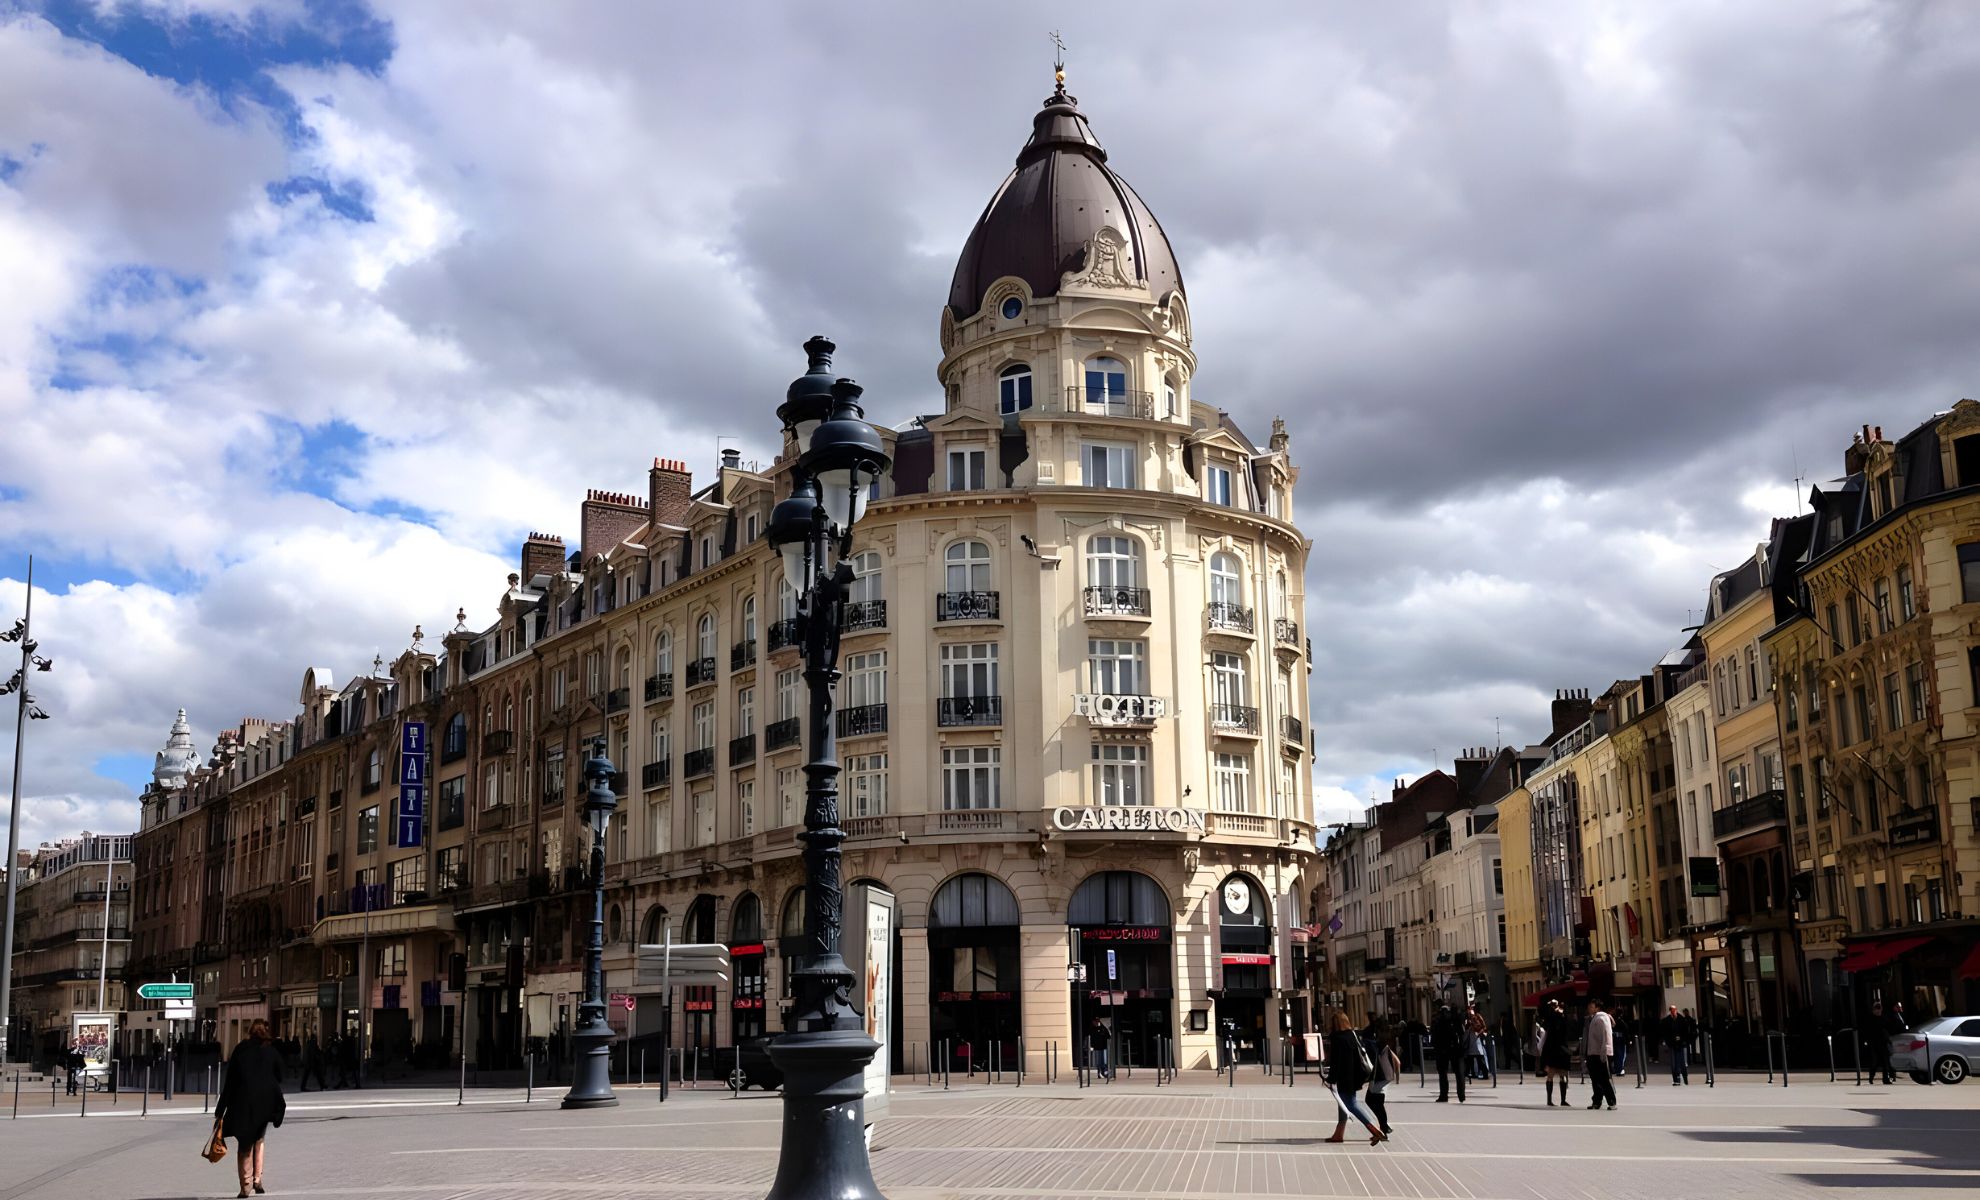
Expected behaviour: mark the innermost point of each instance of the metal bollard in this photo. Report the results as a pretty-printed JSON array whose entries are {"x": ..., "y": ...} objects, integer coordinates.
[
  {"x": 145, "y": 1109},
  {"x": 1020, "y": 1062},
  {"x": 945, "y": 1064},
  {"x": 460, "y": 1098},
  {"x": 642, "y": 1065},
  {"x": 1642, "y": 1062},
  {"x": 1711, "y": 1076},
  {"x": 529, "y": 1078},
  {"x": 85, "y": 1093},
  {"x": 17, "y": 1099}
]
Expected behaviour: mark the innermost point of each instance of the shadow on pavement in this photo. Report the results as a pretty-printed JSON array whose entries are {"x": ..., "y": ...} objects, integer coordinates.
[{"x": 1932, "y": 1140}]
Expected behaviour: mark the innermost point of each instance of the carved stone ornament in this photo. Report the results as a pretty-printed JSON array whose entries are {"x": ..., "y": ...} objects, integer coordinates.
[
  {"x": 948, "y": 330},
  {"x": 1108, "y": 265}
]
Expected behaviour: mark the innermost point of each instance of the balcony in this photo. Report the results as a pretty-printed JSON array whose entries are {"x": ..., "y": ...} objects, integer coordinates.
[
  {"x": 962, "y": 711},
  {"x": 654, "y": 774},
  {"x": 660, "y": 687},
  {"x": 1293, "y": 730},
  {"x": 1222, "y": 614},
  {"x": 1285, "y": 633},
  {"x": 862, "y": 720},
  {"x": 500, "y": 741},
  {"x": 554, "y": 796},
  {"x": 866, "y": 614},
  {"x": 1913, "y": 826},
  {"x": 618, "y": 699},
  {"x": 1754, "y": 812},
  {"x": 742, "y": 749},
  {"x": 1116, "y": 602},
  {"x": 1234, "y": 718},
  {"x": 779, "y": 734},
  {"x": 967, "y": 606},
  {"x": 785, "y": 633},
  {"x": 453, "y": 749},
  {"x": 742, "y": 654},
  {"x": 701, "y": 672},
  {"x": 696, "y": 763},
  {"x": 495, "y": 816},
  {"x": 1095, "y": 403}
]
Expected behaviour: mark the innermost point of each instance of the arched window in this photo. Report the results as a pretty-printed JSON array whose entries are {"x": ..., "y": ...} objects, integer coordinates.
[
  {"x": 1106, "y": 383},
  {"x": 968, "y": 567},
  {"x": 1113, "y": 561},
  {"x": 971, "y": 900},
  {"x": 654, "y": 929},
  {"x": 787, "y": 600},
  {"x": 1014, "y": 388},
  {"x": 704, "y": 637},
  {"x": 1226, "y": 584},
  {"x": 792, "y": 923},
  {"x": 746, "y": 922},
  {"x": 749, "y": 619},
  {"x": 374, "y": 770},
  {"x": 615, "y": 924},
  {"x": 663, "y": 653},
  {"x": 866, "y": 578},
  {"x": 1118, "y": 898},
  {"x": 700, "y": 923},
  {"x": 621, "y": 674}
]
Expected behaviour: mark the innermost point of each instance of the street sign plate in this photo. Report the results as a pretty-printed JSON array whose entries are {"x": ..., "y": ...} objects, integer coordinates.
[
  {"x": 165, "y": 991},
  {"x": 178, "y": 1010}
]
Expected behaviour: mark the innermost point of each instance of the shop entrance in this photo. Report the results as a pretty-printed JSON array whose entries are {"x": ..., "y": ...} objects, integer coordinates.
[
  {"x": 1127, "y": 943},
  {"x": 974, "y": 974},
  {"x": 1244, "y": 953},
  {"x": 746, "y": 960}
]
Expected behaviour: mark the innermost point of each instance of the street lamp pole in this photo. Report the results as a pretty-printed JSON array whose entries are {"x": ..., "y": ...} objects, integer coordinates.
[
  {"x": 825, "y": 1048},
  {"x": 591, "y": 1074},
  {"x": 26, "y": 710}
]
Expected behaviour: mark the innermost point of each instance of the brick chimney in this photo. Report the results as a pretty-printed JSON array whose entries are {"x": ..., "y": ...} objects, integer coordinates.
[
  {"x": 1571, "y": 708},
  {"x": 608, "y": 518},
  {"x": 670, "y": 491},
  {"x": 542, "y": 554},
  {"x": 1470, "y": 767}
]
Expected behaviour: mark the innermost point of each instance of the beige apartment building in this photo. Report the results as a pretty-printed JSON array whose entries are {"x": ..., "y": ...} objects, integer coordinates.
[
  {"x": 1074, "y": 696},
  {"x": 71, "y": 937}
]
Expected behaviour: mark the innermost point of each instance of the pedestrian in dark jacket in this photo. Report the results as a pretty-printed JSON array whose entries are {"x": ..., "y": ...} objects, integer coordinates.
[
  {"x": 1347, "y": 1076},
  {"x": 1556, "y": 1031},
  {"x": 1381, "y": 1042},
  {"x": 251, "y": 1101},
  {"x": 1447, "y": 1044},
  {"x": 312, "y": 1065},
  {"x": 1678, "y": 1032}
]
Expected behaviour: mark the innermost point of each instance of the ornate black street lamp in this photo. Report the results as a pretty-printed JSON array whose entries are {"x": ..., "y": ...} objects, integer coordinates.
[
  {"x": 591, "y": 1075},
  {"x": 824, "y": 1050}
]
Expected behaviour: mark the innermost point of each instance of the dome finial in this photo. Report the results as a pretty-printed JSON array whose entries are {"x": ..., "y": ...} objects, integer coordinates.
[{"x": 1058, "y": 64}]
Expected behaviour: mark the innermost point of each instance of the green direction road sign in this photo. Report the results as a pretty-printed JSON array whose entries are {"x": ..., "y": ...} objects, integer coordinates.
[{"x": 165, "y": 991}]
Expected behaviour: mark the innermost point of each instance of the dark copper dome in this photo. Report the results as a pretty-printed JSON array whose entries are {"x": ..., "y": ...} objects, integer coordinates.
[{"x": 1038, "y": 223}]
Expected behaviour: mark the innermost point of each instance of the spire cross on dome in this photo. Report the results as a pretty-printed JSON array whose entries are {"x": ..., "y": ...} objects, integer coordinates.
[{"x": 1058, "y": 62}]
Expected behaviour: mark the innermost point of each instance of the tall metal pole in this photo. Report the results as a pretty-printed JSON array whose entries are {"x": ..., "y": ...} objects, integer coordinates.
[
  {"x": 14, "y": 825},
  {"x": 103, "y": 954},
  {"x": 591, "y": 1074}
]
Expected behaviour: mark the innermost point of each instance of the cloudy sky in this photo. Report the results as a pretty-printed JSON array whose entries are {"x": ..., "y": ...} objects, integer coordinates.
[{"x": 311, "y": 310}]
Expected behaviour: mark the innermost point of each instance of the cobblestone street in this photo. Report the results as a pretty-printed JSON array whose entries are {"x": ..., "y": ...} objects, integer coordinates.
[{"x": 1196, "y": 1141}]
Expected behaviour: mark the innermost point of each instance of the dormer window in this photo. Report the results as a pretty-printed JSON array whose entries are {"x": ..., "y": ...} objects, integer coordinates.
[
  {"x": 1014, "y": 386},
  {"x": 966, "y": 469},
  {"x": 1217, "y": 485}
]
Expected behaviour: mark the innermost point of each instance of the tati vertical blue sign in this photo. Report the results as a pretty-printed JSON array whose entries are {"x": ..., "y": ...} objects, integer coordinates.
[{"x": 412, "y": 784}]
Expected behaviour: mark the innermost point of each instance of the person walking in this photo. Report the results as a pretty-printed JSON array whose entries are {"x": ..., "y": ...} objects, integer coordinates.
[
  {"x": 251, "y": 1101},
  {"x": 1893, "y": 1023},
  {"x": 312, "y": 1065},
  {"x": 1381, "y": 1040},
  {"x": 72, "y": 1065},
  {"x": 1597, "y": 1047},
  {"x": 1677, "y": 1039},
  {"x": 1348, "y": 1071},
  {"x": 1446, "y": 1043},
  {"x": 1475, "y": 1030},
  {"x": 1096, "y": 1049},
  {"x": 1623, "y": 1033},
  {"x": 1553, "y": 1039}
]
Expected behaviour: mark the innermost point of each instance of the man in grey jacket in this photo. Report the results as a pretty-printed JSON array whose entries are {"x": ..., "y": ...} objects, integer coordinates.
[{"x": 1596, "y": 1048}]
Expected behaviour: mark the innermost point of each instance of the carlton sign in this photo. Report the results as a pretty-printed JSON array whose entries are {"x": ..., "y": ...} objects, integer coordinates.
[
  {"x": 1100, "y": 708},
  {"x": 1129, "y": 818}
]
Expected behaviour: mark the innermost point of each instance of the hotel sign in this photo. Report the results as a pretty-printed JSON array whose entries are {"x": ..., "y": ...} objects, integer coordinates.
[
  {"x": 1129, "y": 818},
  {"x": 1101, "y": 708}
]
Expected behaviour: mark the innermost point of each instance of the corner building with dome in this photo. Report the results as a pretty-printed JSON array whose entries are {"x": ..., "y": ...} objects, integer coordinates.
[{"x": 1074, "y": 699}]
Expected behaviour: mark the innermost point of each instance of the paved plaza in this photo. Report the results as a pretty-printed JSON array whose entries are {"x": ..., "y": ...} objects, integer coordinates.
[{"x": 1198, "y": 1140}]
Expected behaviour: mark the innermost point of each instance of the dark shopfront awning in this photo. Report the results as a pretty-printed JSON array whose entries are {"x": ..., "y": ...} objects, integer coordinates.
[
  {"x": 1970, "y": 967},
  {"x": 1870, "y": 956},
  {"x": 1560, "y": 991}
]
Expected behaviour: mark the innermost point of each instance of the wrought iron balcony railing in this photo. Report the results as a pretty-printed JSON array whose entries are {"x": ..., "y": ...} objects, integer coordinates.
[
  {"x": 1116, "y": 602},
  {"x": 969, "y": 710},
  {"x": 660, "y": 687},
  {"x": 779, "y": 734},
  {"x": 866, "y": 614},
  {"x": 1238, "y": 718},
  {"x": 862, "y": 719},
  {"x": 967, "y": 606},
  {"x": 1223, "y": 614}
]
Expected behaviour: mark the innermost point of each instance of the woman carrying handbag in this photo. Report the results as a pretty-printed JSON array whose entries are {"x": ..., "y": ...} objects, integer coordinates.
[
  {"x": 1348, "y": 1069},
  {"x": 251, "y": 1101}
]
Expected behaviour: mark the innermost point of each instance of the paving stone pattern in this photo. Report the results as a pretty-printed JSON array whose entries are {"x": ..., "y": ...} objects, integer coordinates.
[{"x": 1197, "y": 1141}]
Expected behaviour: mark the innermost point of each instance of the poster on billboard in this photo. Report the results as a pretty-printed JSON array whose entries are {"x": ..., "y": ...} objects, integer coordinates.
[
  {"x": 870, "y": 953},
  {"x": 93, "y": 1035}
]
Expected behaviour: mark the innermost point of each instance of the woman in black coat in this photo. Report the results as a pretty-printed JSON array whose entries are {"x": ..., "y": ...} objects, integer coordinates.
[
  {"x": 1556, "y": 1032},
  {"x": 251, "y": 1100},
  {"x": 1346, "y": 1076}
]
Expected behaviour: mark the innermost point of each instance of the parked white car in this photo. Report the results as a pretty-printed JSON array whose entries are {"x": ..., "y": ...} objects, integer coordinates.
[{"x": 1945, "y": 1050}]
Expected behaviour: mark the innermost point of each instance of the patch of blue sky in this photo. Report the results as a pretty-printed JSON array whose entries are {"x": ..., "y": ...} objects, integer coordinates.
[
  {"x": 103, "y": 354},
  {"x": 60, "y": 570},
  {"x": 320, "y": 460},
  {"x": 132, "y": 770},
  {"x": 346, "y": 199},
  {"x": 231, "y": 58}
]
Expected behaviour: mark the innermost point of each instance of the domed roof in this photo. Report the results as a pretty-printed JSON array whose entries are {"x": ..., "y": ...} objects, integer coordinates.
[
  {"x": 178, "y": 759},
  {"x": 1038, "y": 224}
]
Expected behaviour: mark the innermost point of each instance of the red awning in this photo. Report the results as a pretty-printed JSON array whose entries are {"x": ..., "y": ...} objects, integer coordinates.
[
  {"x": 1875, "y": 954},
  {"x": 1970, "y": 968},
  {"x": 1560, "y": 991}
]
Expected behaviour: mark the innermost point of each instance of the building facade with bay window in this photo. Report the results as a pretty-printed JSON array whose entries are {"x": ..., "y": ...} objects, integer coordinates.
[{"x": 1073, "y": 696}]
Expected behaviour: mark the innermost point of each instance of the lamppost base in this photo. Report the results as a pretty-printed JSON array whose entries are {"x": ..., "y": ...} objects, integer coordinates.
[
  {"x": 591, "y": 1074},
  {"x": 823, "y": 1156}
]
